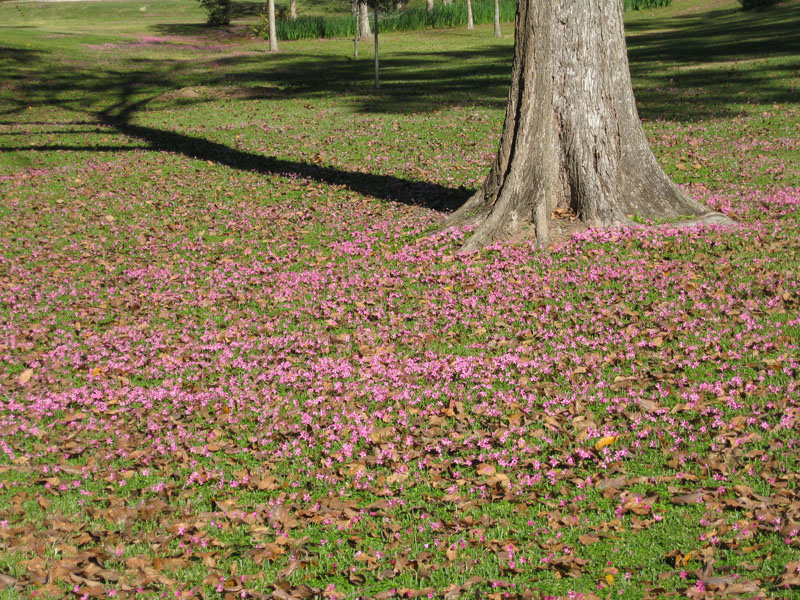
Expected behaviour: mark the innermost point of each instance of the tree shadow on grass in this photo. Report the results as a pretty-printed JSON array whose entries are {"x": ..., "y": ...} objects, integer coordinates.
[
  {"x": 385, "y": 187},
  {"x": 411, "y": 82},
  {"x": 695, "y": 66},
  {"x": 135, "y": 91},
  {"x": 685, "y": 68},
  {"x": 675, "y": 58}
]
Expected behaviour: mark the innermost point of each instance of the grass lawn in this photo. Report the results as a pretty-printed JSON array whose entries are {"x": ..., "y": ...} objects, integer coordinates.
[{"x": 235, "y": 363}]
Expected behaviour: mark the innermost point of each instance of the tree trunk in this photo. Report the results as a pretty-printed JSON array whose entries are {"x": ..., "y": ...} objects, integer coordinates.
[
  {"x": 377, "y": 73},
  {"x": 497, "y": 18},
  {"x": 357, "y": 34},
  {"x": 293, "y": 10},
  {"x": 470, "y": 22},
  {"x": 447, "y": 2},
  {"x": 572, "y": 137},
  {"x": 429, "y": 5},
  {"x": 366, "y": 32},
  {"x": 273, "y": 37}
]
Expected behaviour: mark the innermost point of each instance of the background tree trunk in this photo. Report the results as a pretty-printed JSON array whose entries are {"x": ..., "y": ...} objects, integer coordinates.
[
  {"x": 470, "y": 22},
  {"x": 377, "y": 71},
  {"x": 572, "y": 137},
  {"x": 497, "y": 18},
  {"x": 366, "y": 32},
  {"x": 273, "y": 37},
  {"x": 447, "y": 2},
  {"x": 357, "y": 34},
  {"x": 293, "y": 10},
  {"x": 429, "y": 5}
]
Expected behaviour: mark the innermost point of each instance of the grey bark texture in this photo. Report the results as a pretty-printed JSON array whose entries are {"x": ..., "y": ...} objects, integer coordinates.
[
  {"x": 497, "y": 18},
  {"x": 293, "y": 10},
  {"x": 273, "y": 37},
  {"x": 572, "y": 138},
  {"x": 470, "y": 21},
  {"x": 429, "y": 5}
]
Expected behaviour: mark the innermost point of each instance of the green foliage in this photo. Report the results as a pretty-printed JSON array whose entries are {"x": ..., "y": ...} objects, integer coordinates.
[
  {"x": 443, "y": 16},
  {"x": 645, "y": 4},
  {"x": 751, "y": 4},
  {"x": 219, "y": 11}
]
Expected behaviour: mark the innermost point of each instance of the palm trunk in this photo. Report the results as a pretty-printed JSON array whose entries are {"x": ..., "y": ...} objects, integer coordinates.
[{"x": 572, "y": 137}]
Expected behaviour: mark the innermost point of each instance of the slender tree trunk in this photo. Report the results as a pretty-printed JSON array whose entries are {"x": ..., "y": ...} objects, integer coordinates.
[
  {"x": 497, "y": 18},
  {"x": 447, "y": 2},
  {"x": 293, "y": 10},
  {"x": 273, "y": 36},
  {"x": 377, "y": 73},
  {"x": 429, "y": 5},
  {"x": 572, "y": 137},
  {"x": 470, "y": 22},
  {"x": 357, "y": 35},
  {"x": 366, "y": 32}
]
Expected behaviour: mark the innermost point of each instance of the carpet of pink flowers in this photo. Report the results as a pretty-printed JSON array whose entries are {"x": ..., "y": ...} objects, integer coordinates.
[{"x": 229, "y": 384}]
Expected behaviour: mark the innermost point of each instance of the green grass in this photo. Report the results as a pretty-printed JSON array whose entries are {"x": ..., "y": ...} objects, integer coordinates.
[{"x": 184, "y": 212}]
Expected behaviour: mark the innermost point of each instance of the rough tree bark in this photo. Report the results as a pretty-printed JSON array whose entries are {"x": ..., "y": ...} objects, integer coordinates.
[
  {"x": 470, "y": 21},
  {"x": 572, "y": 138},
  {"x": 497, "y": 18},
  {"x": 273, "y": 36}
]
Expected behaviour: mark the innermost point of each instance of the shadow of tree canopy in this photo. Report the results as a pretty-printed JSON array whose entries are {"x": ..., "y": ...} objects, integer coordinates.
[
  {"x": 134, "y": 91},
  {"x": 13, "y": 60},
  {"x": 669, "y": 62},
  {"x": 697, "y": 65}
]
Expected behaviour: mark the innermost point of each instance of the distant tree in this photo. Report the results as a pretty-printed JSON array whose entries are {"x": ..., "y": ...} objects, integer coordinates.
[
  {"x": 429, "y": 5},
  {"x": 293, "y": 10},
  {"x": 497, "y": 18},
  {"x": 470, "y": 21},
  {"x": 273, "y": 36},
  {"x": 361, "y": 15},
  {"x": 219, "y": 12},
  {"x": 378, "y": 6},
  {"x": 572, "y": 139},
  {"x": 365, "y": 32}
]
